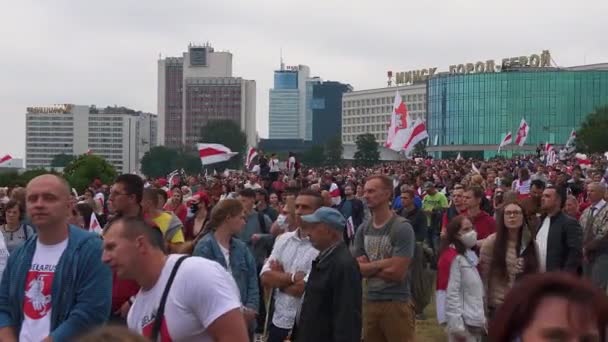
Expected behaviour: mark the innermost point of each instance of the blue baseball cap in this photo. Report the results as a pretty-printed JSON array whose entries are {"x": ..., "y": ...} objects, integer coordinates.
[{"x": 328, "y": 216}]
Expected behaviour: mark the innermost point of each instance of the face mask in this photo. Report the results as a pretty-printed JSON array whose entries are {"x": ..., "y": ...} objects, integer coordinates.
[
  {"x": 469, "y": 239},
  {"x": 282, "y": 221}
]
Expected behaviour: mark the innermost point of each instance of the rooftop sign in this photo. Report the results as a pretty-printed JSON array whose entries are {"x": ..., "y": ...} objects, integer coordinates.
[{"x": 55, "y": 109}]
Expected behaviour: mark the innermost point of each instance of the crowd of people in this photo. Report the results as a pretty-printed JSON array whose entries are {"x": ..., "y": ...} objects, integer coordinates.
[{"x": 507, "y": 249}]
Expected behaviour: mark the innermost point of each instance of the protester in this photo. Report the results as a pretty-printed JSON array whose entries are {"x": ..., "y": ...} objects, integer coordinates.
[
  {"x": 384, "y": 249},
  {"x": 287, "y": 268},
  {"x": 559, "y": 237},
  {"x": 457, "y": 207},
  {"x": 433, "y": 205},
  {"x": 462, "y": 302},
  {"x": 198, "y": 216},
  {"x": 222, "y": 246},
  {"x": 14, "y": 231},
  {"x": 594, "y": 221},
  {"x": 331, "y": 310},
  {"x": 353, "y": 211},
  {"x": 176, "y": 203},
  {"x": 572, "y": 208},
  {"x": 262, "y": 204},
  {"x": 54, "y": 287},
  {"x": 507, "y": 255},
  {"x": 201, "y": 300},
  {"x": 551, "y": 307},
  {"x": 484, "y": 224},
  {"x": 168, "y": 223}
]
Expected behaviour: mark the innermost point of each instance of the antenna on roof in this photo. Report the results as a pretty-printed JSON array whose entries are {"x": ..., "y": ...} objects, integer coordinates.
[{"x": 282, "y": 63}]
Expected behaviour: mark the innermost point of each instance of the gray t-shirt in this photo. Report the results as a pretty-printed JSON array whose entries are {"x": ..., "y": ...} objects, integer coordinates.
[
  {"x": 395, "y": 239},
  {"x": 16, "y": 238}
]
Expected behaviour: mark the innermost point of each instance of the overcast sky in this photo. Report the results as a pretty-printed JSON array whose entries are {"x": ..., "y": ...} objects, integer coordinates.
[{"x": 105, "y": 52}]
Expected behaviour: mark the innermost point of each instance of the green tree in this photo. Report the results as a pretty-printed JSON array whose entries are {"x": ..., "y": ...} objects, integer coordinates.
[
  {"x": 61, "y": 160},
  {"x": 315, "y": 156},
  {"x": 159, "y": 161},
  {"x": 367, "y": 153},
  {"x": 334, "y": 150},
  {"x": 229, "y": 134},
  {"x": 9, "y": 178},
  {"x": 85, "y": 168},
  {"x": 28, "y": 175},
  {"x": 420, "y": 149},
  {"x": 591, "y": 137}
]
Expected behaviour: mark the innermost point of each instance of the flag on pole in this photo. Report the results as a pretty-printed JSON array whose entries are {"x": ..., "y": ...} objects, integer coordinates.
[
  {"x": 214, "y": 153},
  {"x": 6, "y": 158},
  {"x": 399, "y": 121},
  {"x": 571, "y": 138},
  {"x": 413, "y": 135},
  {"x": 458, "y": 157},
  {"x": 522, "y": 133},
  {"x": 505, "y": 141},
  {"x": 94, "y": 226},
  {"x": 251, "y": 154},
  {"x": 582, "y": 160},
  {"x": 550, "y": 155},
  {"x": 475, "y": 169},
  {"x": 173, "y": 178},
  {"x": 350, "y": 227}
]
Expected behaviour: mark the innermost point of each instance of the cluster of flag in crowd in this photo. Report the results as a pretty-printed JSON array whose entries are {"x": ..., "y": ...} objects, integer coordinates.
[{"x": 403, "y": 132}]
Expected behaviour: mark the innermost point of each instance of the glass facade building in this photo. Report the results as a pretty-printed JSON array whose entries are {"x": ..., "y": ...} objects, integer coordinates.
[
  {"x": 471, "y": 113},
  {"x": 285, "y": 79}
]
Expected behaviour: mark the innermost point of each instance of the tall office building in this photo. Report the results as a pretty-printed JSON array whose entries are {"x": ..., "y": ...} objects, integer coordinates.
[
  {"x": 197, "y": 88},
  {"x": 327, "y": 110},
  {"x": 290, "y": 110},
  {"x": 120, "y": 135}
]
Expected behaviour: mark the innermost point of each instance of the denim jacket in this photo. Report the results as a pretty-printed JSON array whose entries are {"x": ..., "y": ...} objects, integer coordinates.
[
  {"x": 81, "y": 289},
  {"x": 242, "y": 266}
]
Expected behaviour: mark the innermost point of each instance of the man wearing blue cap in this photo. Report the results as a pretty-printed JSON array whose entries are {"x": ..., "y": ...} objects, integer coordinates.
[{"x": 331, "y": 310}]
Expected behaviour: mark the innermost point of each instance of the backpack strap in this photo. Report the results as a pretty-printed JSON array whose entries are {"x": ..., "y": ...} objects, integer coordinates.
[{"x": 160, "y": 313}]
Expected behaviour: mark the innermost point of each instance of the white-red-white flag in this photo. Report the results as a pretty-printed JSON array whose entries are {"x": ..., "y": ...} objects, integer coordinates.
[
  {"x": 415, "y": 134},
  {"x": 94, "y": 226},
  {"x": 571, "y": 138},
  {"x": 251, "y": 154},
  {"x": 399, "y": 121},
  {"x": 548, "y": 148},
  {"x": 6, "y": 158},
  {"x": 350, "y": 227},
  {"x": 214, "y": 153},
  {"x": 508, "y": 138},
  {"x": 334, "y": 193},
  {"x": 522, "y": 133},
  {"x": 582, "y": 160}
]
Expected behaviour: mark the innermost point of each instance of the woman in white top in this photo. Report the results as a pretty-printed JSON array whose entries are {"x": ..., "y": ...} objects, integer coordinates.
[{"x": 14, "y": 231}]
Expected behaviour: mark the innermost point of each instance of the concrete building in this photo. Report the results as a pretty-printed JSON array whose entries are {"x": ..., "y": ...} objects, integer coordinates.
[
  {"x": 197, "y": 88},
  {"x": 327, "y": 110},
  {"x": 120, "y": 135},
  {"x": 290, "y": 110},
  {"x": 368, "y": 111}
]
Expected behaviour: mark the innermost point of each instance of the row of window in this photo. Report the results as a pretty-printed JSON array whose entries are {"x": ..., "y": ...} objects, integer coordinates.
[
  {"x": 381, "y": 110},
  {"x": 352, "y": 138},
  {"x": 382, "y": 101}
]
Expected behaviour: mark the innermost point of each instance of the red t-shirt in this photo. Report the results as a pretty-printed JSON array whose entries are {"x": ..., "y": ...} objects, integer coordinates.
[
  {"x": 484, "y": 224},
  {"x": 122, "y": 290}
]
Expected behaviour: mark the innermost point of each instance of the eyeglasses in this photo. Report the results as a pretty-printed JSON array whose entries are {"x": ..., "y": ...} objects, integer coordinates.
[{"x": 513, "y": 213}]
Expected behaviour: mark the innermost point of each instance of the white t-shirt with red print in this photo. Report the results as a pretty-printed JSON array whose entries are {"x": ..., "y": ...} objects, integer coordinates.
[
  {"x": 202, "y": 291},
  {"x": 38, "y": 287}
]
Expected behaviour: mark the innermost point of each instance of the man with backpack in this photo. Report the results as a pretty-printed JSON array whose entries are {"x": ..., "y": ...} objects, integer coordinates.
[{"x": 181, "y": 298}]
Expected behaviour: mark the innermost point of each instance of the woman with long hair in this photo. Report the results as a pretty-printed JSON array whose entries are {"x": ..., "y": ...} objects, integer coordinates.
[
  {"x": 507, "y": 255},
  {"x": 14, "y": 230},
  {"x": 198, "y": 216},
  {"x": 551, "y": 307},
  {"x": 221, "y": 245},
  {"x": 459, "y": 286}
]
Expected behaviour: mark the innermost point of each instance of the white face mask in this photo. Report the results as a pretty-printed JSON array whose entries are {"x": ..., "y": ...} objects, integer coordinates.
[
  {"x": 469, "y": 239},
  {"x": 282, "y": 221}
]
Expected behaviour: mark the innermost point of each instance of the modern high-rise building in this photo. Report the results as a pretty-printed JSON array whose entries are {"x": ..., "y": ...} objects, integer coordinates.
[
  {"x": 327, "y": 110},
  {"x": 197, "y": 88},
  {"x": 290, "y": 110},
  {"x": 120, "y": 135}
]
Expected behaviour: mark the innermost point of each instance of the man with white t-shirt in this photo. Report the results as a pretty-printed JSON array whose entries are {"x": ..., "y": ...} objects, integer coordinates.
[
  {"x": 202, "y": 303},
  {"x": 55, "y": 286}
]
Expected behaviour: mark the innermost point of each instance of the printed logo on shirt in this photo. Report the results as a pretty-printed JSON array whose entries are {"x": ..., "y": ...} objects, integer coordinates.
[
  {"x": 38, "y": 286},
  {"x": 147, "y": 324}
]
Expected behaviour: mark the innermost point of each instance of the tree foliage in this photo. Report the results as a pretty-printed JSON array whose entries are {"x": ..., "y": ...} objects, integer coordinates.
[
  {"x": 159, "y": 161},
  {"x": 315, "y": 156},
  {"x": 334, "y": 150},
  {"x": 367, "y": 153},
  {"x": 13, "y": 178},
  {"x": 84, "y": 169},
  {"x": 420, "y": 149},
  {"x": 229, "y": 134},
  {"x": 591, "y": 137},
  {"x": 62, "y": 160}
]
